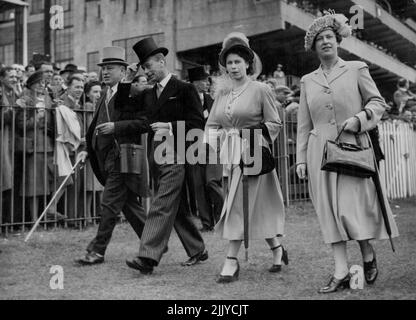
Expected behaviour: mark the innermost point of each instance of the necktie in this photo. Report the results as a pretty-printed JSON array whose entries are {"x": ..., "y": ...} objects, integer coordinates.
[
  {"x": 159, "y": 89},
  {"x": 109, "y": 95}
]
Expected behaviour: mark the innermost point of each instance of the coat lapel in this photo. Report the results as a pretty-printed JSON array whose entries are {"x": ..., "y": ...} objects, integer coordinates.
[
  {"x": 167, "y": 93},
  {"x": 339, "y": 69},
  {"x": 319, "y": 78}
]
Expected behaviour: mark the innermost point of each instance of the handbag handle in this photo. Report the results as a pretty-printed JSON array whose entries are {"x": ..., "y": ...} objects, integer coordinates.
[{"x": 355, "y": 134}]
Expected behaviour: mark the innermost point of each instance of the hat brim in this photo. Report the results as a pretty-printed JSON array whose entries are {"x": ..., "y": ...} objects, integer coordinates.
[
  {"x": 118, "y": 62},
  {"x": 162, "y": 50},
  {"x": 224, "y": 53}
]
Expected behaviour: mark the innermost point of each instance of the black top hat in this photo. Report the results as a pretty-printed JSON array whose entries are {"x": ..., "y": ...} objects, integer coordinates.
[
  {"x": 34, "y": 78},
  {"x": 71, "y": 68},
  {"x": 146, "y": 48},
  {"x": 197, "y": 73}
]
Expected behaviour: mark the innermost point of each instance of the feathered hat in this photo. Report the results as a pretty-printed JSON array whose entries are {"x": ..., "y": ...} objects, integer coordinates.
[
  {"x": 331, "y": 20},
  {"x": 239, "y": 40},
  {"x": 235, "y": 40}
]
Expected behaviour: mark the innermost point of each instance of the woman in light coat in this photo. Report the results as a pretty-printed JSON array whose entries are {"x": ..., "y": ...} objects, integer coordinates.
[
  {"x": 340, "y": 93},
  {"x": 246, "y": 104}
]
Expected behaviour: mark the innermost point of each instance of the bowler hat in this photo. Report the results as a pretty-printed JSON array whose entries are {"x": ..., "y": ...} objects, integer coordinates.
[
  {"x": 197, "y": 73},
  {"x": 71, "y": 68},
  {"x": 34, "y": 78},
  {"x": 147, "y": 48},
  {"x": 113, "y": 55}
]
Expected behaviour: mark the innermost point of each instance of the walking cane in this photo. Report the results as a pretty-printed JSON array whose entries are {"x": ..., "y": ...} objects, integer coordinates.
[
  {"x": 52, "y": 201},
  {"x": 379, "y": 191}
]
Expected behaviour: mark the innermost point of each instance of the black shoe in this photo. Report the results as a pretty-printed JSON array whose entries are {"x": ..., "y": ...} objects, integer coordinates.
[
  {"x": 285, "y": 258},
  {"x": 202, "y": 256},
  {"x": 141, "y": 265},
  {"x": 234, "y": 277},
  {"x": 90, "y": 259},
  {"x": 370, "y": 270},
  {"x": 335, "y": 284}
]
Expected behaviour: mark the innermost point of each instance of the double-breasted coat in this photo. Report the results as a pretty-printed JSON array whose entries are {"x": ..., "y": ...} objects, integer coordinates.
[
  {"x": 255, "y": 105},
  {"x": 130, "y": 124},
  {"x": 347, "y": 207}
]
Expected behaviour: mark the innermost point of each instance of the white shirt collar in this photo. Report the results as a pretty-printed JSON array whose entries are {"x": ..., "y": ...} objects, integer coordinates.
[
  {"x": 114, "y": 88},
  {"x": 165, "y": 81}
]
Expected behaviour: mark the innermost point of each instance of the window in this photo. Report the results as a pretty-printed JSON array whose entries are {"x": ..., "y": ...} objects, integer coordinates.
[
  {"x": 7, "y": 15},
  {"x": 93, "y": 58},
  {"x": 64, "y": 39},
  {"x": 7, "y": 54},
  {"x": 128, "y": 44},
  {"x": 36, "y": 6},
  {"x": 64, "y": 44}
]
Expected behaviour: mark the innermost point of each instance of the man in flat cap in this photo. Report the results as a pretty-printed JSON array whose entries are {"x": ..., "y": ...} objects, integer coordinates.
[
  {"x": 116, "y": 127},
  {"x": 170, "y": 104}
]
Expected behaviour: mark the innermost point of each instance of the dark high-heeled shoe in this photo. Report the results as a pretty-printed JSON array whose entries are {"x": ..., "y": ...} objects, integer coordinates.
[
  {"x": 234, "y": 277},
  {"x": 285, "y": 258},
  {"x": 370, "y": 270},
  {"x": 335, "y": 284}
]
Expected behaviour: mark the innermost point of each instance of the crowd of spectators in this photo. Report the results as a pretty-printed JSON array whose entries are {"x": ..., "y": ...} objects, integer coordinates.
[{"x": 45, "y": 113}]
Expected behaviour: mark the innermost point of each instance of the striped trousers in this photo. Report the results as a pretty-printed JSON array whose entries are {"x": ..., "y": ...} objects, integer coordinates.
[{"x": 167, "y": 211}]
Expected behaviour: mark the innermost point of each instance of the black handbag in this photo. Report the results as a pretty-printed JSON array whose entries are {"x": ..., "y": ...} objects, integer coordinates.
[
  {"x": 348, "y": 159},
  {"x": 268, "y": 163}
]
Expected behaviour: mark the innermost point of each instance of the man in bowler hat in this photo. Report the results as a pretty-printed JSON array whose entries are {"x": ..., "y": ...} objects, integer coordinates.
[
  {"x": 170, "y": 104},
  {"x": 113, "y": 125},
  {"x": 207, "y": 178}
]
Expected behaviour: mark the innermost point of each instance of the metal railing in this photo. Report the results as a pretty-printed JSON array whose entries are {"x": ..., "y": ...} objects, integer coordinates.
[{"x": 29, "y": 175}]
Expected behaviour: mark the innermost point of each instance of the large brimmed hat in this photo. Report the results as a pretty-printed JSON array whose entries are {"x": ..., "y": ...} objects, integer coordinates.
[
  {"x": 239, "y": 40},
  {"x": 232, "y": 41},
  {"x": 197, "y": 73},
  {"x": 330, "y": 20},
  {"x": 34, "y": 78},
  {"x": 146, "y": 48},
  {"x": 113, "y": 55}
]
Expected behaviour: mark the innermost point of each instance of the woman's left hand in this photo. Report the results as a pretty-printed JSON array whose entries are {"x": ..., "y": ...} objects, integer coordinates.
[{"x": 352, "y": 125}]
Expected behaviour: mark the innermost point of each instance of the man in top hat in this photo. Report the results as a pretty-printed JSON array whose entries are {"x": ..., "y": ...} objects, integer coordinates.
[
  {"x": 207, "y": 178},
  {"x": 115, "y": 124},
  {"x": 170, "y": 104}
]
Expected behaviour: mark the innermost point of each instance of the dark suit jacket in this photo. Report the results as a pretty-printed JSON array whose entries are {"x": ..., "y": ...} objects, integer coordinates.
[
  {"x": 130, "y": 124},
  {"x": 208, "y": 102},
  {"x": 179, "y": 102}
]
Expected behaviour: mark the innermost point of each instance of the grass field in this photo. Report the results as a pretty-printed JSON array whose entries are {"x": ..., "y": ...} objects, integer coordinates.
[{"x": 25, "y": 268}]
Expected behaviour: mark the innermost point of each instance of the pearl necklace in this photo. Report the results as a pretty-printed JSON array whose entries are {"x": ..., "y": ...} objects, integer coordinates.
[{"x": 234, "y": 95}]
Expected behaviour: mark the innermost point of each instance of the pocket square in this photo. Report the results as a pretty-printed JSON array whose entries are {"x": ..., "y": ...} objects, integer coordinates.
[{"x": 173, "y": 98}]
